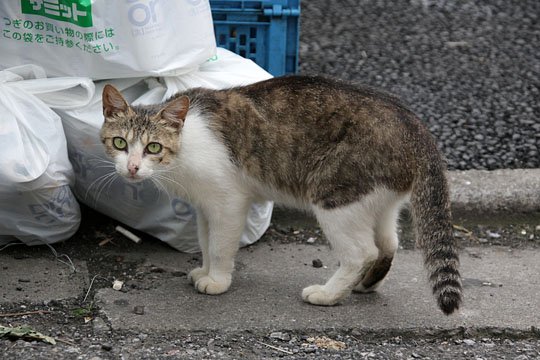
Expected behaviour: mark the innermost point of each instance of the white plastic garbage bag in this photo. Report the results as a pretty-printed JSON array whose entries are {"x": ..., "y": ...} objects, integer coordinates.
[
  {"x": 36, "y": 203},
  {"x": 104, "y": 39},
  {"x": 143, "y": 206}
]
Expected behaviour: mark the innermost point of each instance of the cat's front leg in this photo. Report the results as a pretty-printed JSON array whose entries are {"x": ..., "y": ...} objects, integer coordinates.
[
  {"x": 202, "y": 234},
  {"x": 225, "y": 226}
]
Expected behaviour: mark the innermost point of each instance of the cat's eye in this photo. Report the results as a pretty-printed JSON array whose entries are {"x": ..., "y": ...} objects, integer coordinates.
[
  {"x": 119, "y": 143},
  {"x": 153, "y": 148}
]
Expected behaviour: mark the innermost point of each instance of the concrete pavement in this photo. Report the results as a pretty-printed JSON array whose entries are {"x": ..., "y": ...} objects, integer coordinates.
[{"x": 501, "y": 291}]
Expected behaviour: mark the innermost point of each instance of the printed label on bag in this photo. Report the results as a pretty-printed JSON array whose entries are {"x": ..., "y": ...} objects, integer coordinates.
[
  {"x": 59, "y": 203},
  {"x": 78, "y": 12},
  {"x": 92, "y": 41}
]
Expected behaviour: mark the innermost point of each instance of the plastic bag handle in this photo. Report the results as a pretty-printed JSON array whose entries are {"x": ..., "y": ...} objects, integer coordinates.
[{"x": 60, "y": 93}]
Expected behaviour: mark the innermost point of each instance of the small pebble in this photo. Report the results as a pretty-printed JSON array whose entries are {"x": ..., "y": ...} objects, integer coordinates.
[
  {"x": 99, "y": 325},
  {"x": 280, "y": 336},
  {"x": 139, "y": 310},
  {"x": 317, "y": 263},
  {"x": 106, "y": 347},
  {"x": 117, "y": 285},
  {"x": 155, "y": 269}
]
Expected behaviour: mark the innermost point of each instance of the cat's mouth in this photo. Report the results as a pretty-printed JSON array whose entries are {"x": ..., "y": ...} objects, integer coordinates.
[{"x": 133, "y": 178}]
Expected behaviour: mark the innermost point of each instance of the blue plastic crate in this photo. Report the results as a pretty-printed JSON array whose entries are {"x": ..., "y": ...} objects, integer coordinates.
[{"x": 264, "y": 31}]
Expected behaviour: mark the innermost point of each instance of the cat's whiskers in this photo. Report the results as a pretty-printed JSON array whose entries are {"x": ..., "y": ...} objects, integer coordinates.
[
  {"x": 168, "y": 179},
  {"x": 97, "y": 159},
  {"x": 106, "y": 184},
  {"x": 163, "y": 188},
  {"x": 98, "y": 182},
  {"x": 99, "y": 163},
  {"x": 171, "y": 174},
  {"x": 100, "y": 160},
  {"x": 108, "y": 169},
  {"x": 169, "y": 168}
]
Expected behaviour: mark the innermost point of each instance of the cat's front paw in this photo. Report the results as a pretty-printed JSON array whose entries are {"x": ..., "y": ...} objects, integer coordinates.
[
  {"x": 213, "y": 286},
  {"x": 318, "y": 295},
  {"x": 195, "y": 274}
]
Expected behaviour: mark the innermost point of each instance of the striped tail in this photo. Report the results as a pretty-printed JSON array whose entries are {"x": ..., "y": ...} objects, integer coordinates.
[{"x": 434, "y": 233}]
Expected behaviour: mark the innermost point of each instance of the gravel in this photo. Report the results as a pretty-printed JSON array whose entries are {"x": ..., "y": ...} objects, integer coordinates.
[
  {"x": 470, "y": 69},
  {"x": 332, "y": 344}
]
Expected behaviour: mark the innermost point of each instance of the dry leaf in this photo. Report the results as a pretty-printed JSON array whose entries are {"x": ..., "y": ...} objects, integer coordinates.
[{"x": 25, "y": 332}]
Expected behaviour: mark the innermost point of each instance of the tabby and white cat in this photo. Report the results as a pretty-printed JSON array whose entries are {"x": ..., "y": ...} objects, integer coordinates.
[{"x": 351, "y": 155}]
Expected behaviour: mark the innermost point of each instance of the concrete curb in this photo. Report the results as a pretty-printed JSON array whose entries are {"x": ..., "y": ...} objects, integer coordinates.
[{"x": 498, "y": 192}]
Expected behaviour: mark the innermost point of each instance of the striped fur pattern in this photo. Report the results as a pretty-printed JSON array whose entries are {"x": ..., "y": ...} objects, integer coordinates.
[{"x": 350, "y": 154}]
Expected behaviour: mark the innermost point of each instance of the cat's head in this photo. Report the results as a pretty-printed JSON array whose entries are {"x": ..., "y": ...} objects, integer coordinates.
[{"x": 141, "y": 139}]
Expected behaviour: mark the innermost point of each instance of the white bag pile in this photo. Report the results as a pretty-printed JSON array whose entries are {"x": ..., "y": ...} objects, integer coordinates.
[
  {"x": 170, "y": 39},
  {"x": 36, "y": 203}
]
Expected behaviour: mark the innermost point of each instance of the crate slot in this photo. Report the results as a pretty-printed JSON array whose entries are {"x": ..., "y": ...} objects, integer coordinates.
[
  {"x": 222, "y": 40},
  {"x": 264, "y": 31}
]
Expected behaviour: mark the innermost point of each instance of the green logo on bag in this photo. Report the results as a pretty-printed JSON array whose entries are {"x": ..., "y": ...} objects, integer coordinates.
[{"x": 78, "y": 12}]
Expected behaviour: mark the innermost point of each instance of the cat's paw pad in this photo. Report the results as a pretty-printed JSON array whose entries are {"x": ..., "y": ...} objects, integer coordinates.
[
  {"x": 318, "y": 295},
  {"x": 195, "y": 274},
  {"x": 211, "y": 286}
]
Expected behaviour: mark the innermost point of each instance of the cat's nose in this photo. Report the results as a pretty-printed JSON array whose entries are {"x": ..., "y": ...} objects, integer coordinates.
[{"x": 133, "y": 168}]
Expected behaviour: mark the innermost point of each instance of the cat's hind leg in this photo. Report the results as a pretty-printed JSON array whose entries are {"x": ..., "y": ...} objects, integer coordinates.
[
  {"x": 386, "y": 240},
  {"x": 350, "y": 231}
]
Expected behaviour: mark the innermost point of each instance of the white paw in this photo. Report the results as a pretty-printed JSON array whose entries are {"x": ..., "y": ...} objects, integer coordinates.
[
  {"x": 195, "y": 274},
  {"x": 211, "y": 286},
  {"x": 318, "y": 295}
]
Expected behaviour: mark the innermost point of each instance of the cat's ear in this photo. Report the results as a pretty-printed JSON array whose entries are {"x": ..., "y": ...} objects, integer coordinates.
[
  {"x": 175, "y": 112},
  {"x": 113, "y": 101}
]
